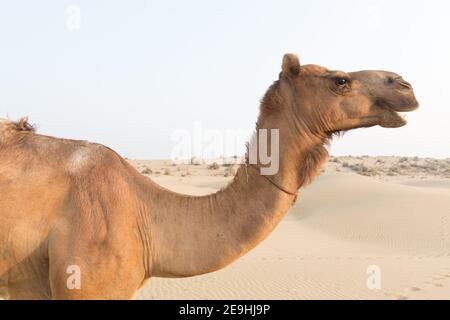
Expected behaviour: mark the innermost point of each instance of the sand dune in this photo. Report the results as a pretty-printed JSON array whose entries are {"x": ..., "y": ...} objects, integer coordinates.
[
  {"x": 341, "y": 225},
  {"x": 389, "y": 215},
  {"x": 445, "y": 184}
]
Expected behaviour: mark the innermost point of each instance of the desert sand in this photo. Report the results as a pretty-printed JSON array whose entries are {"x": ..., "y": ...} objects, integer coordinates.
[{"x": 387, "y": 213}]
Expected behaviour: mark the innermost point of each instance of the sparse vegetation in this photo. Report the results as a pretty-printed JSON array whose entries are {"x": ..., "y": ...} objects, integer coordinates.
[
  {"x": 186, "y": 173},
  {"x": 392, "y": 166},
  {"x": 384, "y": 167},
  {"x": 194, "y": 161},
  {"x": 335, "y": 159},
  {"x": 393, "y": 171},
  {"x": 229, "y": 171},
  {"x": 363, "y": 170},
  {"x": 146, "y": 170},
  {"x": 214, "y": 166}
]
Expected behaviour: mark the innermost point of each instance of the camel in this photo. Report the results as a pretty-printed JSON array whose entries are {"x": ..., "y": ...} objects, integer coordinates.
[{"x": 73, "y": 208}]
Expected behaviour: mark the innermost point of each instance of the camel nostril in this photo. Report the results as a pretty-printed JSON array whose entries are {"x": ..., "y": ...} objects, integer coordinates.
[
  {"x": 399, "y": 81},
  {"x": 404, "y": 83}
]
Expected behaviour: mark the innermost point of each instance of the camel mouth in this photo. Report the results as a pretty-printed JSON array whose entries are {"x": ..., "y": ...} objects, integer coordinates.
[
  {"x": 393, "y": 119},
  {"x": 392, "y": 116},
  {"x": 414, "y": 105}
]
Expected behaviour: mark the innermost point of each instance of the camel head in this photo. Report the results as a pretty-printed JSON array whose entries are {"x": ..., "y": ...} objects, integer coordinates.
[{"x": 333, "y": 101}]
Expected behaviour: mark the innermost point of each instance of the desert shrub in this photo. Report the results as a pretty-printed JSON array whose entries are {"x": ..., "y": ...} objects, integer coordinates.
[
  {"x": 194, "y": 161},
  {"x": 229, "y": 171},
  {"x": 167, "y": 172},
  {"x": 186, "y": 173},
  {"x": 430, "y": 167},
  {"x": 146, "y": 170},
  {"x": 404, "y": 159},
  {"x": 335, "y": 159},
  {"x": 214, "y": 166},
  {"x": 363, "y": 170},
  {"x": 345, "y": 164},
  {"x": 393, "y": 171}
]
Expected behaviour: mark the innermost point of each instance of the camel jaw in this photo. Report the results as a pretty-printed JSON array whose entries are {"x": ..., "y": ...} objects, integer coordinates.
[{"x": 391, "y": 117}]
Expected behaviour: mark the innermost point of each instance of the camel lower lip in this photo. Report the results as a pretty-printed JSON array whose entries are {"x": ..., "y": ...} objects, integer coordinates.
[{"x": 392, "y": 119}]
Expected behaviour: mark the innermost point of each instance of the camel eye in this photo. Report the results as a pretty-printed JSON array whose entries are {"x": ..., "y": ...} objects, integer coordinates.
[{"x": 341, "y": 81}]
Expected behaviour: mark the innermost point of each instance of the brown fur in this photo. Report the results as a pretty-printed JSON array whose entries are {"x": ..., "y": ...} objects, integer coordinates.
[
  {"x": 23, "y": 125},
  {"x": 14, "y": 131},
  {"x": 72, "y": 203}
]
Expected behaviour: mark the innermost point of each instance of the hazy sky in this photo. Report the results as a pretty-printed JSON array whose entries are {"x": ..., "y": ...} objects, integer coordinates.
[{"x": 135, "y": 72}]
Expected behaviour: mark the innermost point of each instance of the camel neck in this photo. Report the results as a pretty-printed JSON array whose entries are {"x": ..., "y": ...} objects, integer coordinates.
[
  {"x": 191, "y": 235},
  {"x": 196, "y": 235},
  {"x": 281, "y": 188}
]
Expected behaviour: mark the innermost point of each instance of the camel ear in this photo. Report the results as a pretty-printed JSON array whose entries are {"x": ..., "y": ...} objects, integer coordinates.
[{"x": 291, "y": 65}]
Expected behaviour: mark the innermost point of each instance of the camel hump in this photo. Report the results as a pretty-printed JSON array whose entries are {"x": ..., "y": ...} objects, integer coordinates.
[{"x": 10, "y": 129}]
